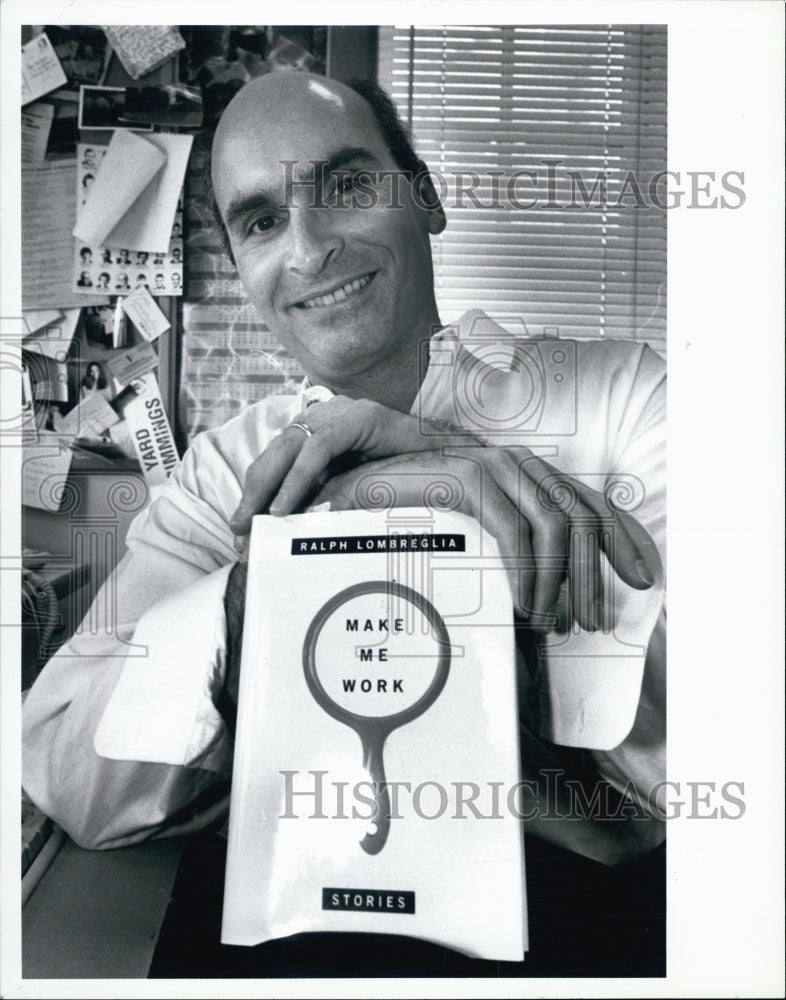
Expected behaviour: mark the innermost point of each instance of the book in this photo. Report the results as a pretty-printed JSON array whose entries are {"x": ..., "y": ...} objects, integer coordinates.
[{"x": 377, "y": 735}]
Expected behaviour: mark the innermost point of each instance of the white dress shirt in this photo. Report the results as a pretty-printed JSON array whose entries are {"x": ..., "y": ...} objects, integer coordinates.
[{"x": 122, "y": 737}]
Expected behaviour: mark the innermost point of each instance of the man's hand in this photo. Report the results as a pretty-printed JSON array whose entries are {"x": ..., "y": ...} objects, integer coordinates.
[
  {"x": 294, "y": 464},
  {"x": 541, "y": 538},
  {"x": 546, "y": 524}
]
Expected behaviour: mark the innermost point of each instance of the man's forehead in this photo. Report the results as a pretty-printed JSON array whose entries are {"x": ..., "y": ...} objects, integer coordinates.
[{"x": 294, "y": 117}]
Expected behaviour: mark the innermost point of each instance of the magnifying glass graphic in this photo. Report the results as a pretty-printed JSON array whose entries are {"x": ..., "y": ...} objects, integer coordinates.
[{"x": 375, "y": 657}]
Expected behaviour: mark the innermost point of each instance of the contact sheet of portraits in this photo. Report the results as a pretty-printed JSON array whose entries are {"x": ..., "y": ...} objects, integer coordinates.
[{"x": 105, "y": 270}]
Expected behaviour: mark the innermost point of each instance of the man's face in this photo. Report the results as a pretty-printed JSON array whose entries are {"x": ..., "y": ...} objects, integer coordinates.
[{"x": 343, "y": 288}]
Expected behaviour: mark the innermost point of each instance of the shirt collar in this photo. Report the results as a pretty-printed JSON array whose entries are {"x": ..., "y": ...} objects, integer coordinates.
[{"x": 472, "y": 332}]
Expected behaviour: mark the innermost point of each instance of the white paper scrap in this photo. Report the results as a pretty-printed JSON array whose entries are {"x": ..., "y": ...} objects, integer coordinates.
[
  {"x": 142, "y": 47},
  {"x": 150, "y": 431},
  {"x": 129, "y": 165},
  {"x": 36, "y": 126},
  {"x": 49, "y": 211},
  {"x": 54, "y": 337},
  {"x": 144, "y": 313},
  {"x": 89, "y": 417},
  {"x": 45, "y": 471},
  {"x": 36, "y": 319},
  {"x": 149, "y": 225},
  {"x": 41, "y": 69},
  {"x": 133, "y": 363}
]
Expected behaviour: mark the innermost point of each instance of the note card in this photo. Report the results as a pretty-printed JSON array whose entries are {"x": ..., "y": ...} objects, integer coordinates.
[
  {"x": 89, "y": 418},
  {"x": 141, "y": 309},
  {"x": 36, "y": 126},
  {"x": 142, "y": 47},
  {"x": 133, "y": 363},
  {"x": 45, "y": 471},
  {"x": 41, "y": 69}
]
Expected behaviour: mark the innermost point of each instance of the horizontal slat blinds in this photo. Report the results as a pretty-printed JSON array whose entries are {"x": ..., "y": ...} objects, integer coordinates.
[{"x": 545, "y": 140}]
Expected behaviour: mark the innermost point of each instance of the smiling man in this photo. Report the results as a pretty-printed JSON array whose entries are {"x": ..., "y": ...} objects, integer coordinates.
[
  {"x": 349, "y": 293},
  {"x": 328, "y": 215}
]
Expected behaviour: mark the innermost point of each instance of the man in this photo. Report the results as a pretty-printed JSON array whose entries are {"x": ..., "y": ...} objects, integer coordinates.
[{"x": 128, "y": 735}]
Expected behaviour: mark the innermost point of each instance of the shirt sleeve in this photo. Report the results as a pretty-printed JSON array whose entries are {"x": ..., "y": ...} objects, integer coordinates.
[
  {"x": 590, "y": 684},
  {"x": 637, "y": 412},
  {"x": 121, "y": 737}
]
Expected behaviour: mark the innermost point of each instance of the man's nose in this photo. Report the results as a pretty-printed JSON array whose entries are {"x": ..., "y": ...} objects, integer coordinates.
[{"x": 315, "y": 241}]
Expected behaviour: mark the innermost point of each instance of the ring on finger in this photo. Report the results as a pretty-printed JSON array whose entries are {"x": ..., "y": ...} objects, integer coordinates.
[{"x": 301, "y": 425}]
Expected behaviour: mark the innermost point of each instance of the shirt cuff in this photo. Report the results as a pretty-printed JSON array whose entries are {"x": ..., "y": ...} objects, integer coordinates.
[
  {"x": 593, "y": 680},
  {"x": 162, "y": 709}
]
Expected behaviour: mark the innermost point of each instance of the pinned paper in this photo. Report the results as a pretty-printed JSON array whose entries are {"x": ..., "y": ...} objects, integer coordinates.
[
  {"x": 36, "y": 319},
  {"x": 143, "y": 47},
  {"x": 150, "y": 431},
  {"x": 36, "y": 126},
  {"x": 119, "y": 270},
  {"x": 49, "y": 376},
  {"x": 45, "y": 471},
  {"x": 150, "y": 225},
  {"x": 146, "y": 316},
  {"x": 41, "y": 69},
  {"x": 48, "y": 210},
  {"x": 172, "y": 104},
  {"x": 130, "y": 163},
  {"x": 132, "y": 364},
  {"x": 54, "y": 337},
  {"x": 102, "y": 109},
  {"x": 123, "y": 209},
  {"x": 88, "y": 418}
]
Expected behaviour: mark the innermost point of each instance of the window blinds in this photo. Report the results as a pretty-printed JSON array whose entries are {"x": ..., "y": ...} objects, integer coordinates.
[{"x": 525, "y": 126}]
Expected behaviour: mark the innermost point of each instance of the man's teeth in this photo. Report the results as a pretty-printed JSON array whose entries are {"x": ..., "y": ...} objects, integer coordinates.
[{"x": 338, "y": 295}]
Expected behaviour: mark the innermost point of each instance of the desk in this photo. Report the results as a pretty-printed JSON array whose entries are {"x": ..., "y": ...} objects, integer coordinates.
[
  {"x": 108, "y": 914},
  {"x": 97, "y": 914}
]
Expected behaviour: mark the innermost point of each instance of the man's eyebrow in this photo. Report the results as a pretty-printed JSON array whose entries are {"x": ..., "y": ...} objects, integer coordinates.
[
  {"x": 349, "y": 154},
  {"x": 241, "y": 206}
]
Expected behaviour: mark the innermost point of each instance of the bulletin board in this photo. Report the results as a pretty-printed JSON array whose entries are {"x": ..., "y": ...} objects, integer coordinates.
[
  {"x": 98, "y": 335},
  {"x": 217, "y": 357}
]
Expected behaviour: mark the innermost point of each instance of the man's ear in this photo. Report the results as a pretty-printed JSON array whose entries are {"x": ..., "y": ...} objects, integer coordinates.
[
  {"x": 437, "y": 220},
  {"x": 429, "y": 200}
]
